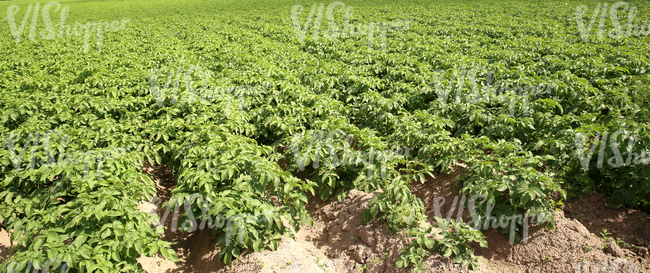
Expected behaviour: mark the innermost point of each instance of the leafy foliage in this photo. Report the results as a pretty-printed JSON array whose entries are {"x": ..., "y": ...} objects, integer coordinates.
[
  {"x": 456, "y": 237},
  {"x": 237, "y": 152}
]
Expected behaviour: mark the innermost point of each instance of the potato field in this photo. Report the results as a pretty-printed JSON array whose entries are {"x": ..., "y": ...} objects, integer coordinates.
[{"x": 341, "y": 136}]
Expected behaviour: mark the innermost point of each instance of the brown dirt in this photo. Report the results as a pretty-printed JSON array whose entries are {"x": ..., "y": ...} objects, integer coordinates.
[
  {"x": 373, "y": 246},
  {"x": 439, "y": 186},
  {"x": 556, "y": 250},
  {"x": 631, "y": 225},
  {"x": 300, "y": 254},
  {"x": 5, "y": 246}
]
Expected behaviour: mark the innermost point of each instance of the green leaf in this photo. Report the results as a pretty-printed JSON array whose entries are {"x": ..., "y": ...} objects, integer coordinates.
[
  {"x": 80, "y": 240},
  {"x": 374, "y": 210},
  {"x": 483, "y": 243},
  {"x": 235, "y": 252},
  {"x": 106, "y": 233},
  {"x": 465, "y": 263},
  {"x": 84, "y": 252},
  {"x": 227, "y": 259},
  {"x": 429, "y": 244}
]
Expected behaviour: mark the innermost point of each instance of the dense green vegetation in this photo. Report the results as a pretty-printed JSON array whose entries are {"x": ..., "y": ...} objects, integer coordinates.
[{"x": 519, "y": 149}]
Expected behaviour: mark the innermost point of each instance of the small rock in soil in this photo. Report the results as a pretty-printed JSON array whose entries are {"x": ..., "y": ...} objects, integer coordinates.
[
  {"x": 643, "y": 252},
  {"x": 367, "y": 236},
  {"x": 614, "y": 249},
  {"x": 358, "y": 253},
  {"x": 577, "y": 226},
  {"x": 349, "y": 266}
]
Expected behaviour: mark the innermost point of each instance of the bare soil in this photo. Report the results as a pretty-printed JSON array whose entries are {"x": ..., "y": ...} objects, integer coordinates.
[
  {"x": 5, "y": 246},
  {"x": 337, "y": 242}
]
